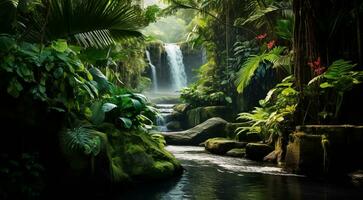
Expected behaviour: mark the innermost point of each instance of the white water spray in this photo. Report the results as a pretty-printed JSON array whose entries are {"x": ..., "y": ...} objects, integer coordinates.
[
  {"x": 177, "y": 68},
  {"x": 153, "y": 72}
]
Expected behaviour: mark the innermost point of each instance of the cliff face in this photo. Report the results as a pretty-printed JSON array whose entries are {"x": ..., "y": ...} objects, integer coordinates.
[{"x": 193, "y": 60}]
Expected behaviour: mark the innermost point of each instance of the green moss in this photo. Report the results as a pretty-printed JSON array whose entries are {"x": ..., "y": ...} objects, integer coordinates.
[
  {"x": 130, "y": 154},
  {"x": 162, "y": 169},
  {"x": 118, "y": 175}
]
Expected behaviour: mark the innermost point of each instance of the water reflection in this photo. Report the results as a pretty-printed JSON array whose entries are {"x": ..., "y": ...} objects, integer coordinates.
[{"x": 209, "y": 177}]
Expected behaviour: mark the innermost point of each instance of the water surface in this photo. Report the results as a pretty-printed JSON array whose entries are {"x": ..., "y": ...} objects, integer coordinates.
[{"x": 209, "y": 177}]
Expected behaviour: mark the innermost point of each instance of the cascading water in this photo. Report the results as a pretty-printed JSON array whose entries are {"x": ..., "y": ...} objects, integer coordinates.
[
  {"x": 153, "y": 72},
  {"x": 177, "y": 68}
]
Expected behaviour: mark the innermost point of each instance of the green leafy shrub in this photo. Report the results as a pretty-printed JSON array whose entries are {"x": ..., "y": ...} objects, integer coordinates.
[
  {"x": 52, "y": 74},
  {"x": 204, "y": 96},
  {"x": 332, "y": 84},
  {"x": 124, "y": 109},
  {"x": 275, "y": 113},
  {"x": 82, "y": 138}
]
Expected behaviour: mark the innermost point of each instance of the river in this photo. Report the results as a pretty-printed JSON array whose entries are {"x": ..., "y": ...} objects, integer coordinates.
[{"x": 212, "y": 177}]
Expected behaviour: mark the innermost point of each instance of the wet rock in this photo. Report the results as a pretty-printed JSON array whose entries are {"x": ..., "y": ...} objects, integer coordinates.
[
  {"x": 249, "y": 137},
  {"x": 122, "y": 156},
  {"x": 237, "y": 152},
  {"x": 174, "y": 116},
  {"x": 174, "y": 125},
  {"x": 211, "y": 128},
  {"x": 257, "y": 151},
  {"x": 357, "y": 178},
  {"x": 222, "y": 145},
  {"x": 199, "y": 115}
]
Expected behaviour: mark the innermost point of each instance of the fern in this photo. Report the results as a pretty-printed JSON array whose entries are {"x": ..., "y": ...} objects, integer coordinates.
[
  {"x": 338, "y": 69},
  {"x": 245, "y": 74},
  {"x": 83, "y": 139}
]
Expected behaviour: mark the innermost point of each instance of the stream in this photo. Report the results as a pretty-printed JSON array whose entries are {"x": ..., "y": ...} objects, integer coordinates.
[{"x": 210, "y": 177}]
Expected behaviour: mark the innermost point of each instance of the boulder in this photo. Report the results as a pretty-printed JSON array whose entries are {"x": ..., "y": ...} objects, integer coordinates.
[
  {"x": 257, "y": 151},
  {"x": 357, "y": 178},
  {"x": 201, "y": 114},
  {"x": 222, "y": 145},
  {"x": 237, "y": 152},
  {"x": 174, "y": 116},
  {"x": 181, "y": 108},
  {"x": 174, "y": 125},
  {"x": 211, "y": 128},
  {"x": 122, "y": 156},
  {"x": 249, "y": 137}
]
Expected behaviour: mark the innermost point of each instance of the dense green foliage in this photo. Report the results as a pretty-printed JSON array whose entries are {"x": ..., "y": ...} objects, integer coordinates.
[
  {"x": 76, "y": 62},
  {"x": 53, "y": 74},
  {"x": 276, "y": 111},
  {"x": 204, "y": 97}
]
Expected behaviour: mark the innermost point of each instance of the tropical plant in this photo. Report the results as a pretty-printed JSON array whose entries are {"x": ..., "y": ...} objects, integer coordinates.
[
  {"x": 95, "y": 23},
  {"x": 204, "y": 96},
  {"x": 249, "y": 68},
  {"x": 338, "y": 78},
  {"x": 82, "y": 138},
  {"x": 52, "y": 74},
  {"x": 124, "y": 109},
  {"x": 275, "y": 113}
]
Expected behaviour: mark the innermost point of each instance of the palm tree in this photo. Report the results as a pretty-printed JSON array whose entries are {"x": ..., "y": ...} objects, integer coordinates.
[{"x": 90, "y": 22}]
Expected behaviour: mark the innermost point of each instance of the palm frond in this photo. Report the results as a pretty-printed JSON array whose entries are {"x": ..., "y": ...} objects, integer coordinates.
[
  {"x": 94, "y": 23},
  {"x": 338, "y": 69},
  {"x": 245, "y": 74}
]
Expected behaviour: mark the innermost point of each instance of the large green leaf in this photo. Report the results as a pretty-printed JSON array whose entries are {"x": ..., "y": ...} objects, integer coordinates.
[
  {"x": 7, "y": 43},
  {"x": 107, "y": 107},
  {"x": 60, "y": 45},
  {"x": 125, "y": 122},
  {"x": 102, "y": 83},
  {"x": 82, "y": 138},
  {"x": 98, "y": 114}
]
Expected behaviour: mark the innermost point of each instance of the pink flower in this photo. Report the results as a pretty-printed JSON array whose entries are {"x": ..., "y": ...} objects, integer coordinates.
[
  {"x": 261, "y": 37},
  {"x": 271, "y": 44}
]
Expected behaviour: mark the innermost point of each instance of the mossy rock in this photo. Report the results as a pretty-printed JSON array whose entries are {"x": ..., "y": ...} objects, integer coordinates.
[
  {"x": 174, "y": 126},
  {"x": 211, "y": 128},
  {"x": 257, "y": 151},
  {"x": 236, "y": 152},
  {"x": 249, "y": 137},
  {"x": 199, "y": 115},
  {"x": 126, "y": 156},
  {"x": 182, "y": 108},
  {"x": 222, "y": 145}
]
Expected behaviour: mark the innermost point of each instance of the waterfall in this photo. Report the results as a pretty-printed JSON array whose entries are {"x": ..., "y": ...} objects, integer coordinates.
[
  {"x": 177, "y": 69},
  {"x": 153, "y": 72}
]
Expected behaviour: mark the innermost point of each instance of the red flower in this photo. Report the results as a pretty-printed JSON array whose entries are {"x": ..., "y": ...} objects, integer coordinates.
[
  {"x": 271, "y": 44},
  {"x": 261, "y": 37},
  {"x": 319, "y": 70},
  {"x": 316, "y": 66},
  {"x": 317, "y": 62}
]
